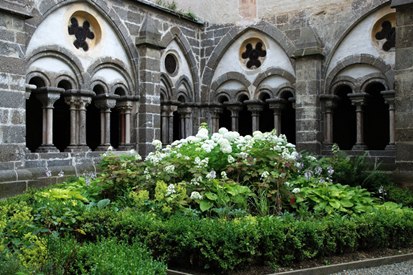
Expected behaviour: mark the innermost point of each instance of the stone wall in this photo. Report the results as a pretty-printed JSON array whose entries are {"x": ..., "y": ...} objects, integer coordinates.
[
  {"x": 12, "y": 79},
  {"x": 404, "y": 89}
]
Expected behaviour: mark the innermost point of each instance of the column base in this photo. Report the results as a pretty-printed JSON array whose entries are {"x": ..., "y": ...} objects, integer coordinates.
[
  {"x": 45, "y": 148},
  {"x": 359, "y": 147},
  {"x": 390, "y": 147}
]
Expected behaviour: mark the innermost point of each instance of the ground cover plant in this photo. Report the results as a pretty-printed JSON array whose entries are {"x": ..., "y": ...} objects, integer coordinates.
[{"x": 217, "y": 202}]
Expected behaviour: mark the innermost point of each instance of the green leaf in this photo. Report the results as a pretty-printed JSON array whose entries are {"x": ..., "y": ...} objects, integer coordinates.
[
  {"x": 103, "y": 203},
  {"x": 211, "y": 196},
  {"x": 347, "y": 204},
  {"x": 335, "y": 204},
  {"x": 205, "y": 205}
]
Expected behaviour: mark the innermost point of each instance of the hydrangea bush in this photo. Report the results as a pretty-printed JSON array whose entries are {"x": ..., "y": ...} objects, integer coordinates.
[{"x": 226, "y": 174}]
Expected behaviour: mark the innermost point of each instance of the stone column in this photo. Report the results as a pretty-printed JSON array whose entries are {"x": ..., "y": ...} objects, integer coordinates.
[
  {"x": 78, "y": 100},
  {"x": 48, "y": 96},
  {"x": 165, "y": 111},
  {"x": 308, "y": 86},
  {"x": 173, "y": 108},
  {"x": 403, "y": 97},
  {"x": 389, "y": 99},
  {"x": 277, "y": 105},
  {"x": 148, "y": 43},
  {"x": 188, "y": 121},
  {"x": 255, "y": 107},
  {"x": 125, "y": 105},
  {"x": 234, "y": 108},
  {"x": 329, "y": 105},
  {"x": 105, "y": 103},
  {"x": 359, "y": 100},
  {"x": 215, "y": 111}
]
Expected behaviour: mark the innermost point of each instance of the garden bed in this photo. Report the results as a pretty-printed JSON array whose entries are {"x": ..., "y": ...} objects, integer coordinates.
[{"x": 214, "y": 204}]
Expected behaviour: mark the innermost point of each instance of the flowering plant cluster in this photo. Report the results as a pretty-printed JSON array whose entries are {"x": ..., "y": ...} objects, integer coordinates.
[{"x": 226, "y": 174}]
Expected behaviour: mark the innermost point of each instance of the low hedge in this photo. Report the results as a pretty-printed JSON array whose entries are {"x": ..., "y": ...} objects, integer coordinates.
[
  {"x": 67, "y": 256},
  {"x": 222, "y": 245}
]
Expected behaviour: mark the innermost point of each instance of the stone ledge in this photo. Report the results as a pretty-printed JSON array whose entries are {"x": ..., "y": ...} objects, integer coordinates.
[
  {"x": 350, "y": 266},
  {"x": 16, "y": 11}
]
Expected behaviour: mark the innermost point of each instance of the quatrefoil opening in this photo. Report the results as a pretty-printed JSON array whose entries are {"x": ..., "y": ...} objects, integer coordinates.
[
  {"x": 254, "y": 55},
  {"x": 81, "y": 33}
]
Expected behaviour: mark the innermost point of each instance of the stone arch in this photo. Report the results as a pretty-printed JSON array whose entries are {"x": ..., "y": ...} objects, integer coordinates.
[
  {"x": 273, "y": 71},
  {"x": 120, "y": 86},
  {"x": 63, "y": 55},
  {"x": 101, "y": 85},
  {"x": 184, "y": 81},
  {"x": 176, "y": 34},
  {"x": 284, "y": 89},
  {"x": 373, "y": 78},
  {"x": 265, "y": 89},
  {"x": 366, "y": 59},
  {"x": 350, "y": 28},
  {"x": 222, "y": 97},
  {"x": 114, "y": 64},
  {"x": 344, "y": 80},
  {"x": 66, "y": 78},
  {"x": 235, "y": 76},
  {"x": 107, "y": 12},
  {"x": 230, "y": 76},
  {"x": 40, "y": 76},
  {"x": 242, "y": 96},
  {"x": 167, "y": 86},
  {"x": 233, "y": 34}
]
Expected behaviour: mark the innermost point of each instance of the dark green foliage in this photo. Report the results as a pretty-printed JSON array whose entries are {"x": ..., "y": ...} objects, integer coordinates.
[
  {"x": 107, "y": 256},
  {"x": 222, "y": 245}
]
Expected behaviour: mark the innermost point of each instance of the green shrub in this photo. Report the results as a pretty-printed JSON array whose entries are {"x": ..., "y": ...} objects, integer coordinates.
[
  {"x": 106, "y": 256},
  {"x": 221, "y": 245}
]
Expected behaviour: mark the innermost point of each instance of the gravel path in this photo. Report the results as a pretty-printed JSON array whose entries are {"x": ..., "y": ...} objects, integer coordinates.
[{"x": 404, "y": 268}]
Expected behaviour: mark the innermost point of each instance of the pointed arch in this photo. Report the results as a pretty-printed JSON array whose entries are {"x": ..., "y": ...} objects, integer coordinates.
[
  {"x": 167, "y": 87},
  {"x": 184, "y": 81},
  {"x": 176, "y": 34},
  {"x": 233, "y": 34},
  {"x": 106, "y": 10}
]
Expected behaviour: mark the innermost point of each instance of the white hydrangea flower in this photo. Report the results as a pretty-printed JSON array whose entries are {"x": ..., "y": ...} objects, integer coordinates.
[
  {"x": 157, "y": 143},
  {"x": 170, "y": 169},
  {"x": 224, "y": 175},
  {"x": 196, "y": 196},
  {"x": 208, "y": 146},
  {"x": 232, "y": 136},
  {"x": 265, "y": 175},
  {"x": 223, "y": 131},
  {"x": 216, "y": 136},
  {"x": 196, "y": 181},
  {"x": 202, "y": 133},
  {"x": 211, "y": 175},
  {"x": 225, "y": 146},
  {"x": 230, "y": 159},
  {"x": 296, "y": 190},
  {"x": 170, "y": 190},
  {"x": 243, "y": 155}
]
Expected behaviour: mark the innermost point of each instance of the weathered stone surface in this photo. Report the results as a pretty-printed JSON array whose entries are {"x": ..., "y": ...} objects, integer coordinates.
[{"x": 9, "y": 189}]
